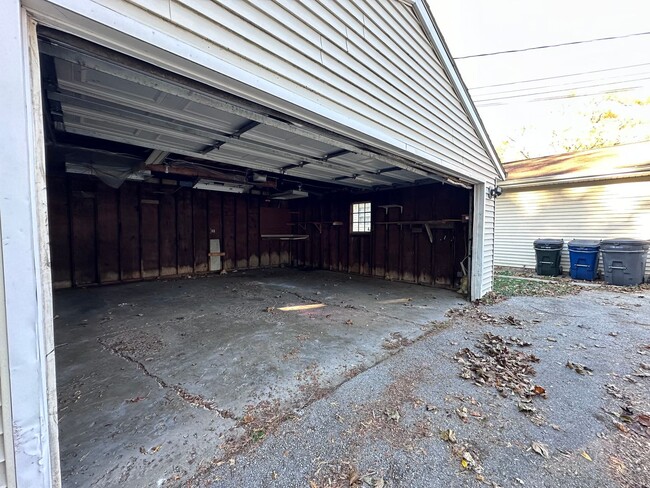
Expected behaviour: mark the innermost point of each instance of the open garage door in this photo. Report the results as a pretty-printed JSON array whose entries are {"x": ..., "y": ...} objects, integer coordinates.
[
  {"x": 191, "y": 149},
  {"x": 151, "y": 176}
]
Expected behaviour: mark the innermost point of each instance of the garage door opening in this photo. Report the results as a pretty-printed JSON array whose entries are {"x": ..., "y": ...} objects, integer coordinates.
[{"x": 255, "y": 262}]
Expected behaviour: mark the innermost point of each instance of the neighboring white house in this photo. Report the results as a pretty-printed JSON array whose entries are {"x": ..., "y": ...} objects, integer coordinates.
[
  {"x": 371, "y": 82},
  {"x": 595, "y": 194}
]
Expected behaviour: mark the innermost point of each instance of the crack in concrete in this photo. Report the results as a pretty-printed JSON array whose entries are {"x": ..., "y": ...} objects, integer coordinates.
[{"x": 194, "y": 400}]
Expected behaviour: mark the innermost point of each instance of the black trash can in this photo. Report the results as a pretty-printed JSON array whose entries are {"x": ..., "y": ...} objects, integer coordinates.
[
  {"x": 548, "y": 253},
  {"x": 624, "y": 260},
  {"x": 583, "y": 256}
]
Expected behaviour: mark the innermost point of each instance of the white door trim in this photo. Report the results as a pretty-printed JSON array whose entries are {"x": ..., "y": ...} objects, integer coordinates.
[{"x": 25, "y": 245}]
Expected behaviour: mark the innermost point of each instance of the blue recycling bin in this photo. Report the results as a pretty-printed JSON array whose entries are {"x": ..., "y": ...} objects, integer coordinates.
[{"x": 583, "y": 256}]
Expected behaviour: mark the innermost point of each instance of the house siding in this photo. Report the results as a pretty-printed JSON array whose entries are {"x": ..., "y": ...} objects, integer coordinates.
[
  {"x": 369, "y": 63},
  {"x": 488, "y": 246},
  {"x": 618, "y": 208}
]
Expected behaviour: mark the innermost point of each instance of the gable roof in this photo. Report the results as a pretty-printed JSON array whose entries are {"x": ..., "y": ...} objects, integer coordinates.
[
  {"x": 435, "y": 36},
  {"x": 622, "y": 161}
]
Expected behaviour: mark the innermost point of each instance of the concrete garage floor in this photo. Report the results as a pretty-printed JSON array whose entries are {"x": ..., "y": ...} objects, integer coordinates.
[{"x": 157, "y": 379}]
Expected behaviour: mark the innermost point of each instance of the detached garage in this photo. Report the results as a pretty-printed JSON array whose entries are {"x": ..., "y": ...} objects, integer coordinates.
[{"x": 214, "y": 212}]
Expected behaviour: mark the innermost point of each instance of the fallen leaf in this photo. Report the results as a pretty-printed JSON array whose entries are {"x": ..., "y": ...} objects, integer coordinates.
[
  {"x": 539, "y": 391},
  {"x": 586, "y": 456},
  {"x": 643, "y": 419},
  {"x": 312, "y": 484},
  {"x": 622, "y": 427},
  {"x": 393, "y": 415},
  {"x": 526, "y": 407},
  {"x": 467, "y": 461},
  {"x": 579, "y": 368},
  {"x": 379, "y": 483},
  {"x": 462, "y": 413},
  {"x": 448, "y": 436},
  {"x": 540, "y": 449}
]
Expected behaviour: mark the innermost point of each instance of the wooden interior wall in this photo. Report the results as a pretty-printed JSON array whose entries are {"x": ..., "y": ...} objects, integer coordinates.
[
  {"x": 99, "y": 235},
  {"x": 389, "y": 251}
]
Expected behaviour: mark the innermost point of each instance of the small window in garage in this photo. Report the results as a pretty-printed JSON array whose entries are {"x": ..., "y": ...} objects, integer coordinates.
[{"x": 361, "y": 217}]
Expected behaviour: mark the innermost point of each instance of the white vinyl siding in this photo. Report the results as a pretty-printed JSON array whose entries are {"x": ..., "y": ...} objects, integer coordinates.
[
  {"x": 587, "y": 211},
  {"x": 368, "y": 62},
  {"x": 488, "y": 246}
]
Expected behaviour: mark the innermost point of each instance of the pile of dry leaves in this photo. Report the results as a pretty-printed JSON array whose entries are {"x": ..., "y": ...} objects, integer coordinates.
[{"x": 498, "y": 365}]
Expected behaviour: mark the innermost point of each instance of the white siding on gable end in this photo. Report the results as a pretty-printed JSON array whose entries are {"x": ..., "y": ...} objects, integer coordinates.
[
  {"x": 359, "y": 65},
  {"x": 620, "y": 208}
]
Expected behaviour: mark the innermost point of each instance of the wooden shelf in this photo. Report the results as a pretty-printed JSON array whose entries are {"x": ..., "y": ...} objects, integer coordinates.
[
  {"x": 286, "y": 237},
  {"x": 427, "y": 224}
]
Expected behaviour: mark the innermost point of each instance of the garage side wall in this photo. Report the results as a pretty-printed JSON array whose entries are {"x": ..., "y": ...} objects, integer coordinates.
[
  {"x": 100, "y": 235},
  {"x": 394, "y": 251},
  {"x": 587, "y": 211}
]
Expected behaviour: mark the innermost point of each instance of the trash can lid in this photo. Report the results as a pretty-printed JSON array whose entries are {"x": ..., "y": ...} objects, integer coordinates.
[
  {"x": 548, "y": 242},
  {"x": 625, "y": 241},
  {"x": 584, "y": 243}
]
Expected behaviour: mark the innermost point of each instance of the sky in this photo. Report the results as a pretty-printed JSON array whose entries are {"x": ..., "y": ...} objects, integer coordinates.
[{"x": 527, "y": 113}]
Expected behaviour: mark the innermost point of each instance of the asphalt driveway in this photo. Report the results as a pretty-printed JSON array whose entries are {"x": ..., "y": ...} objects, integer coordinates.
[{"x": 531, "y": 391}]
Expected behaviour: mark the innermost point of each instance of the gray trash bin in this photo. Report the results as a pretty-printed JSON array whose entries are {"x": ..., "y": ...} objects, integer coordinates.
[{"x": 624, "y": 261}]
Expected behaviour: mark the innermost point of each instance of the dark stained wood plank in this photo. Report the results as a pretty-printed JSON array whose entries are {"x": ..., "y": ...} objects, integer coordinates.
[
  {"x": 265, "y": 244},
  {"x": 344, "y": 236},
  {"x": 407, "y": 244},
  {"x": 129, "y": 232},
  {"x": 253, "y": 231},
  {"x": 200, "y": 223},
  {"x": 285, "y": 254},
  {"x": 82, "y": 210},
  {"x": 393, "y": 248},
  {"x": 241, "y": 234},
  {"x": 423, "y": 246},
  {"x": 379, "y": 240},
  {"x": 108, "y": 234},
  {"x": 228, "y": 245},
  {"x": 167, "y": 237},
  {"x": 184, "y": 231},
  {"x": 59, "y": 224},
  {"x": 150, "y": 233}
]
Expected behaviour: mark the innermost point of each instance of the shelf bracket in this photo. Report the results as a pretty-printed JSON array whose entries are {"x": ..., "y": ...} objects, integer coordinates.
[
  {"x": 429, "y": 233},
  {"x": 386, "y": 207}
]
